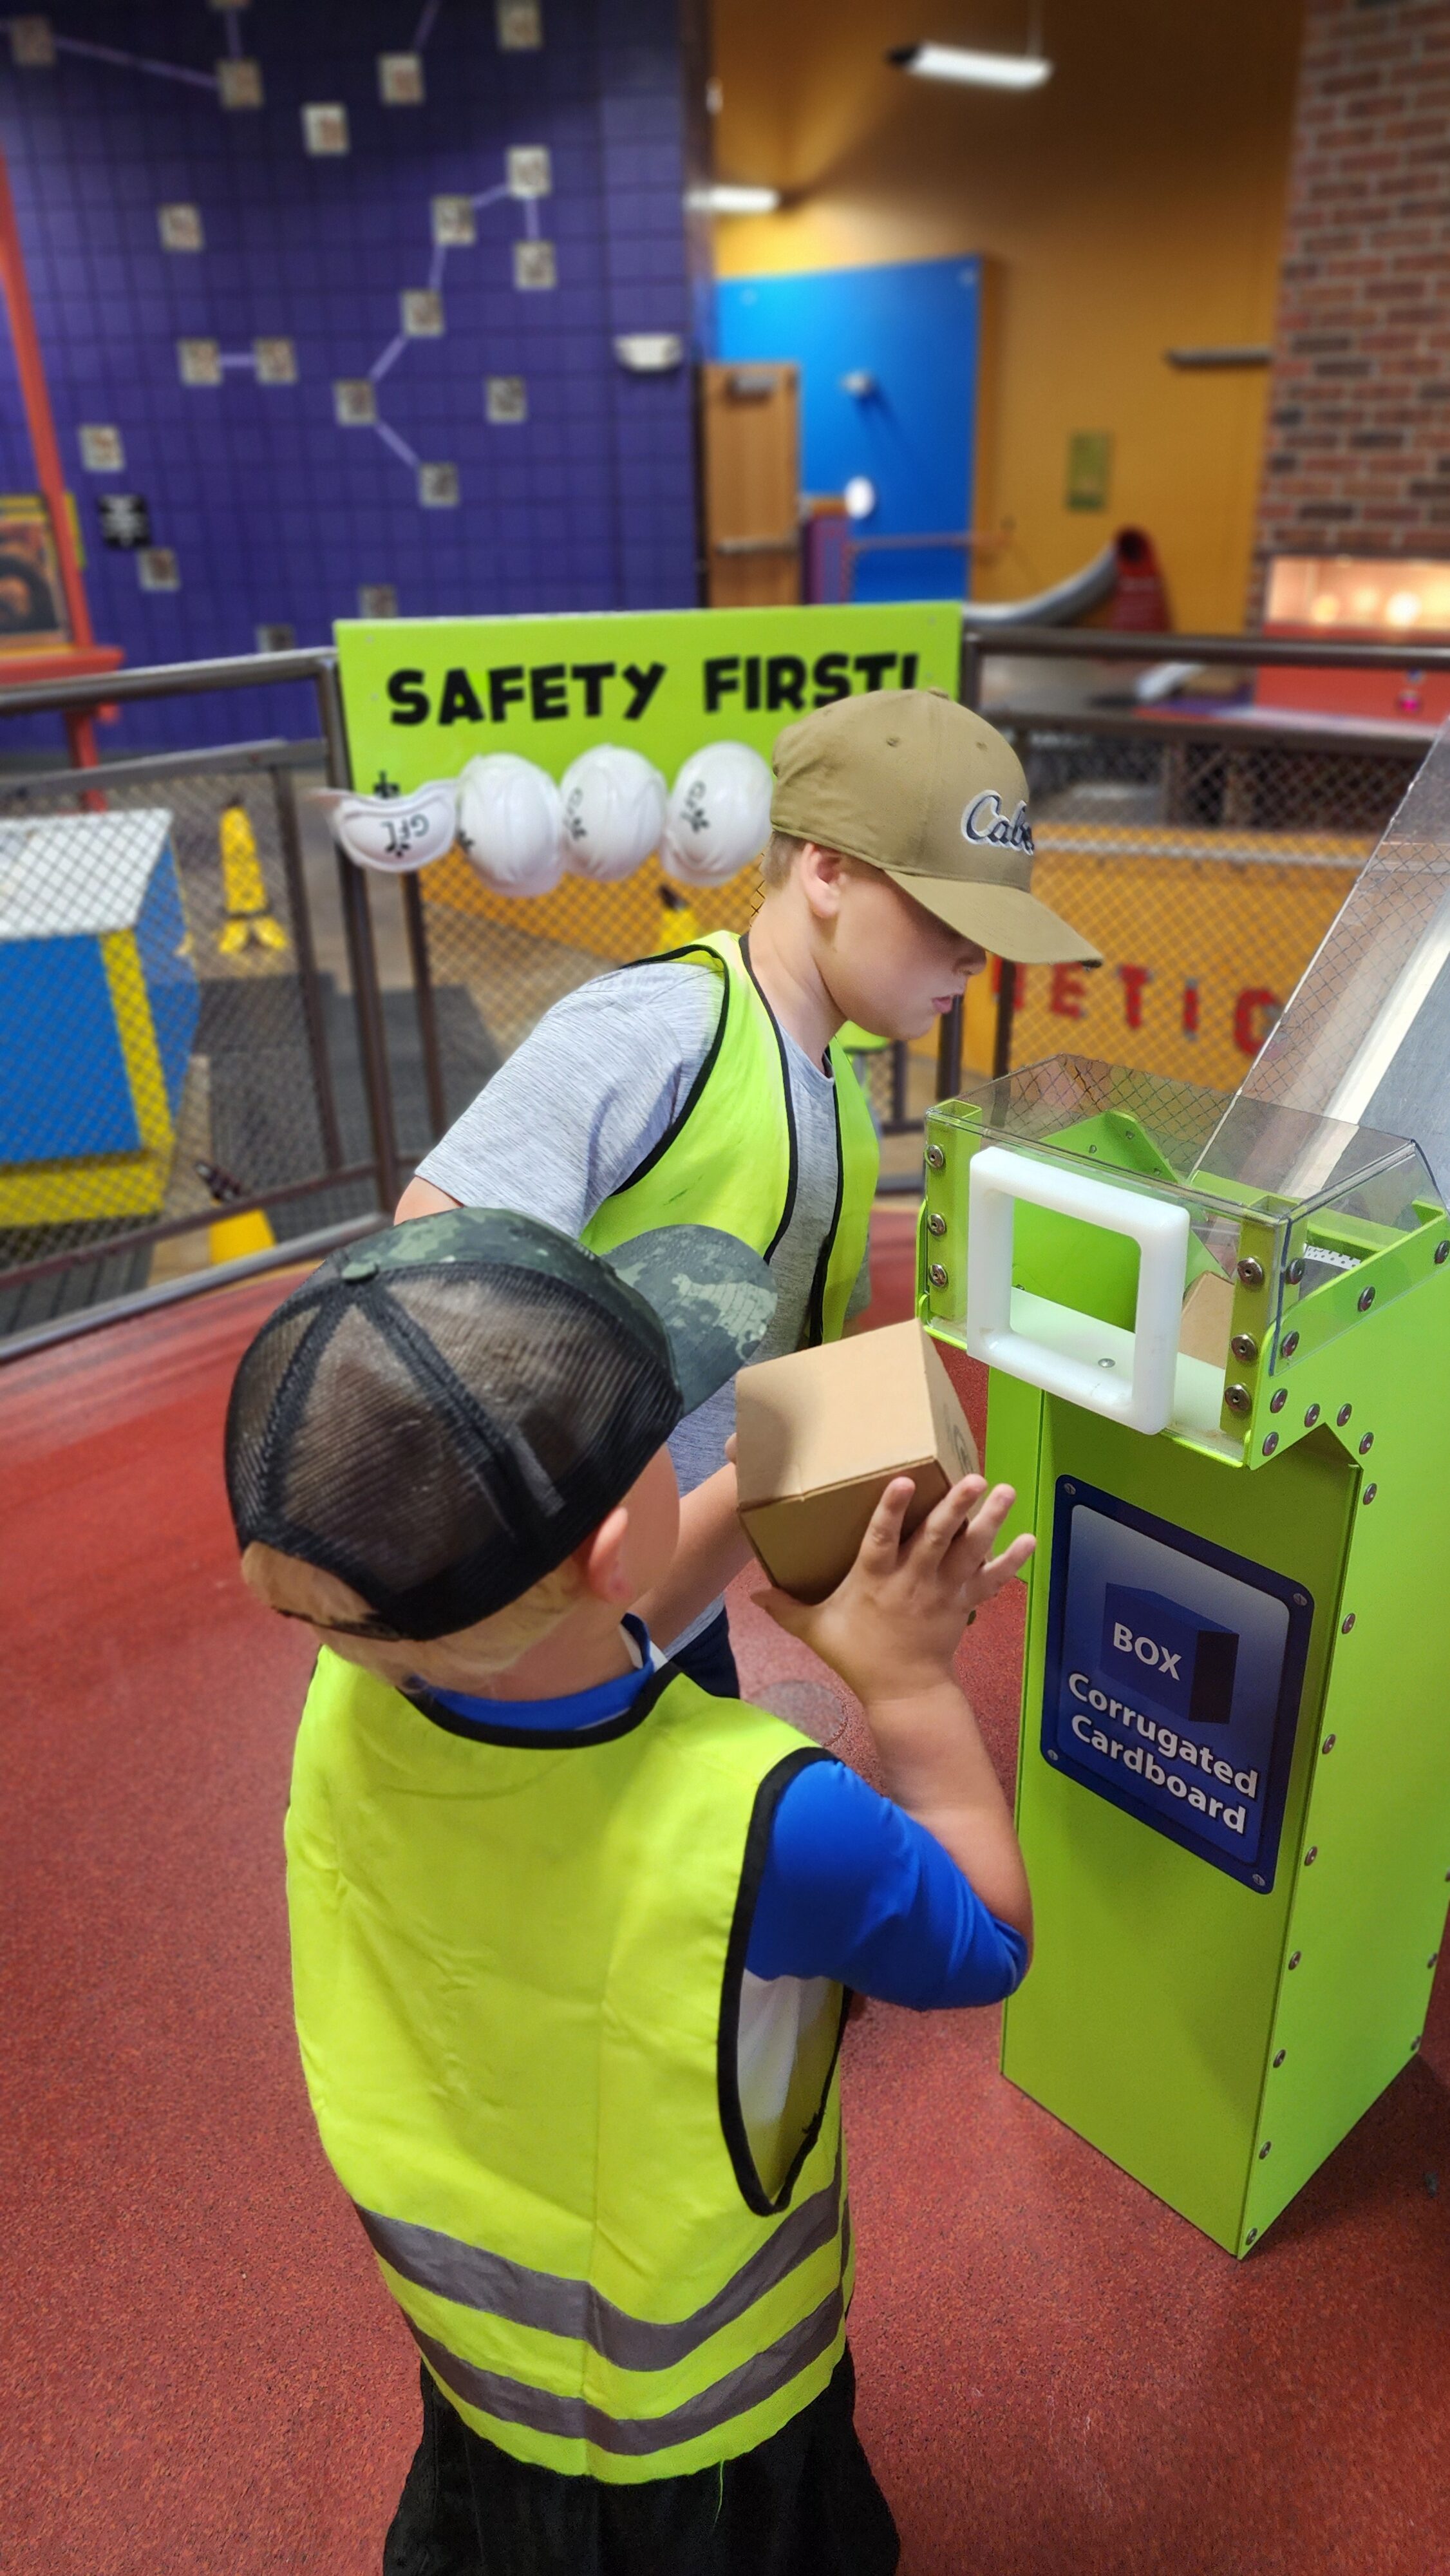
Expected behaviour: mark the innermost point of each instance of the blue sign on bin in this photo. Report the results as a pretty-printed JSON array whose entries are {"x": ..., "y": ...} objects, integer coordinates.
[{"x": 1174, "y": 1671}]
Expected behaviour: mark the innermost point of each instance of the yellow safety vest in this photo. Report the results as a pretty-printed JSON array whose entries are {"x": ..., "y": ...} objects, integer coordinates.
[
  {"x": 730, "y": 1159},
  {"x": 517, "y": 1963}
]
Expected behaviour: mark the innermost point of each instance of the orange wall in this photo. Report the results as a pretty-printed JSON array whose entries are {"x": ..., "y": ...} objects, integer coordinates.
[{"x": 1132, "y": 204}]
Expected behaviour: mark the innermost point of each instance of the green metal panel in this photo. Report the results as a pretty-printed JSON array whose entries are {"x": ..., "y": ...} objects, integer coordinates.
[
  {"x": 1368, "y": 1910},
  {"x": 1161, "y": 1992},
  {"x": 1146, "y": 2018}
]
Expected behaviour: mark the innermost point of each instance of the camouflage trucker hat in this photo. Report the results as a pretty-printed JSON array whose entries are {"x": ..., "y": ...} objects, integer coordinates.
[
  {"x": 440, "y": 1414},
  {"x": 930, "y": 793}
]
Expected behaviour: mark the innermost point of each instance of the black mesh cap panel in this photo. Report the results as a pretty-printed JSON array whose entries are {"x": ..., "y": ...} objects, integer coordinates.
[{"x": 441, "y": 1436}]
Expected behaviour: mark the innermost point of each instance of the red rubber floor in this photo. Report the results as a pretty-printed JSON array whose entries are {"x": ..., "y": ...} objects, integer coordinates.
[{"x": 202, "y": 2372}]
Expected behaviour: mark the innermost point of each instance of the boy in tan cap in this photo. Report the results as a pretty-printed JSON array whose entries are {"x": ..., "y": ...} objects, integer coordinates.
[{"x": 709, "y": 1086}]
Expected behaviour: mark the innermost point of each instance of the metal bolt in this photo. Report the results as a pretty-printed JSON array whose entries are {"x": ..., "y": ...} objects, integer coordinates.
[
  {"x": 1330, "y": 1742},
  {"x": 935, "y": 1158},
  {"x": 1415, "y": 2043},
  {"x": 1288, "y": 1346},
  {"x": 1295, "y": 1271},
  {"x": 1311, "y": 1855},
  {"x": 1244, "y": 1347},
  {"x": 1278, "y": 1399},
  {"x": 937, "y": 1274},
  {"x": 1366, "y": 1300},
  {"x": 1301, "y": 1600},
  {"x": 1255, "y": 1880},
  {"x": 1442, "y": 1254},
  {"x": 1430, "y": 1962},
  {"x": 1251, "y": 1272},
  {"x": 1271, "y": 1443},
  {"x": 1311, "y": 1417},
  {"x": 1067, "y": 1488},
  {"x": 1342, "y": 1416},
  {"x": 936, "y": 1224},
  {"x": 1279, "y": 2060},
  {"x": 1369, "y": 1493},
  {"x": 1366, "y": 1444},
  {"x": 1295, "y": 1958},
  {"x": 1052, "y": 1757},
  {"x": 1238, "y": 1399},
  {"x": 1251, "y": 2236},
  {"x": 1347, "y": 1622},
  {"x": 1264, "y": 2149}
]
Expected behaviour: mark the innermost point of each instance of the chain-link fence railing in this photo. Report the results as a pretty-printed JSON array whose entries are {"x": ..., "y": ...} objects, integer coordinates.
[
  {"x": 184, "y": 1073},
  {"x": 216, "y": 1035}
]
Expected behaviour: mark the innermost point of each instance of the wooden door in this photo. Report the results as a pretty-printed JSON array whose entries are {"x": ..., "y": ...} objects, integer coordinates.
[{"x": 750, "y": 422}]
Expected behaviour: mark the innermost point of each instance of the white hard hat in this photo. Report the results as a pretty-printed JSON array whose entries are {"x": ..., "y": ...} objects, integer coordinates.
[
  {"x": 719, "y": 814},
  {"x": 508, "y": 823},
  {"x": 614, "y": 812},
  {"x": 393, "y": 833}
]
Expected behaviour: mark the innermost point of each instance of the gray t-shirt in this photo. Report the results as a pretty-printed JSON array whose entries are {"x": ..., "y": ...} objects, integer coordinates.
[{"x": 577, "y": 1107}]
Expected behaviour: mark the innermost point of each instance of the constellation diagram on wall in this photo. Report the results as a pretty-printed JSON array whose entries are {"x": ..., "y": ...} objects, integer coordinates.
[{"x": 457, "y": 223}]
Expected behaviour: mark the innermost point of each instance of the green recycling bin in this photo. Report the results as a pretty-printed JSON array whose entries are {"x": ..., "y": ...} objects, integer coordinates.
[{"x": 1217, "y": 1330}]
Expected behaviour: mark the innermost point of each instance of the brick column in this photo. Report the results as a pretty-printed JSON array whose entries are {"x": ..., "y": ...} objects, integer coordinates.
[{"x": 1358, "y": 458}]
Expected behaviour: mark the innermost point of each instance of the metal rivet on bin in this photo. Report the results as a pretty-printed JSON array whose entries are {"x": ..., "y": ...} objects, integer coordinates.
[
  {"x": 1264, "y": 2149},
  {"x": 1366, "y": 1300},
  {"x": 1442, "y": 1253},
  {"x": 1347, "y": 1622},
  {"x": 1369, "y": 1493},
  {"x": 1366, "y": 1444},
  {"x": 1271, "y": 1443},
  {"x": 1252, "y": 2236},
  {"x": 936, "y": 1224},
  {"x": 1311, "y": 1417},
  {"x": 1295, "y": 1271},
  {"x": 1342, "y": 1416},
  {"x": 1278, "y": 1399},
  {"x": 1244, "y": 1347},
  {"x": 1255, "y": 1878},
  {"x": 1295, "y": 1957},
  {"x": 1288, "y": 1346},
  {"x": 1430, "y": 1962},
  {"x": 1415, "y": 2044},
  {"x": 1329, "y": 1744},
  {"x": 936, "y": 1159},
  {"x": 937, "y": 1274},
  {"x": 1311, "y": 1855},
  {"x": 1051, "y": 1755},
  {"x": 1237, "y": 1398},
  {"x": 1282, "y": 2054},
  {"x": 1251, "y": 1272}
]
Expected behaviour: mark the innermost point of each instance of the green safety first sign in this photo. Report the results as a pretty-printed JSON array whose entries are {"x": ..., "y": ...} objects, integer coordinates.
[{"x": 423, "y": 695}]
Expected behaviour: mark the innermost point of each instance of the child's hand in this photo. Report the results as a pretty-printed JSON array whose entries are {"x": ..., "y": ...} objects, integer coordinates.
[{"x": 892, "y": 1628}]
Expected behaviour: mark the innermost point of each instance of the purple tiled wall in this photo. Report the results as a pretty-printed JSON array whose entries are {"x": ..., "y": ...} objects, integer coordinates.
[{"x": 275, "y": 513}]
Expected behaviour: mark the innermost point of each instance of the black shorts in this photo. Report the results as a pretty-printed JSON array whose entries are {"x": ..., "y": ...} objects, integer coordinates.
[{"x": 804, "y": 2504}]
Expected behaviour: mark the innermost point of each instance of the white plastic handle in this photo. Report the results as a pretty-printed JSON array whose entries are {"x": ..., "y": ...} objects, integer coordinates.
[{"x": 1144, "y": 1401}]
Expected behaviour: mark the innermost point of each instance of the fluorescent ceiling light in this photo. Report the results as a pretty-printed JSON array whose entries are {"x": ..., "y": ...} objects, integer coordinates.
[
  {"x": 980, "y": 71},
  {"x": 724, "y": 199}
]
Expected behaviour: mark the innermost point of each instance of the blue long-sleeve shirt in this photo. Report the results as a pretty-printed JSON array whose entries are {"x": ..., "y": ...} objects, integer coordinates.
[{"x": 852, "y": 1888}]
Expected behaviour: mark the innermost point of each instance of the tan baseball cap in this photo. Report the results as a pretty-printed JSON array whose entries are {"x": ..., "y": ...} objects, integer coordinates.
[{"x": 931, "y": 794}]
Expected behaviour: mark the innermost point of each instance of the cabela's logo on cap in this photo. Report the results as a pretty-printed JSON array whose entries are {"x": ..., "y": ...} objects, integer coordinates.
[{"x": 984, "y": 820}]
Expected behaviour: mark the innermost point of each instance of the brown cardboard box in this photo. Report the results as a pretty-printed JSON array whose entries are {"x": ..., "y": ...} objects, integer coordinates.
[{"x": 821, "y": 1433}]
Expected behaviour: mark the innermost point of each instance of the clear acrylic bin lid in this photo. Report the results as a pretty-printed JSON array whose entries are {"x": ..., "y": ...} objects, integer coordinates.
[{"x": 1225, "y": 1153}]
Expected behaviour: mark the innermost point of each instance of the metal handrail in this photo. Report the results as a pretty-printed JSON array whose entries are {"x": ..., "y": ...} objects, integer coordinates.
[
  {"x": 1113, "y": 644},
  {"x": 171, "y": 680}
]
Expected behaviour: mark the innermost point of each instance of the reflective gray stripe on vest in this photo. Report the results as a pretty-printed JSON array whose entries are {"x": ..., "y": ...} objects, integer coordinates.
[
  {"x": 574, "y": 2419},
  {"x": 558, "y": 2305}
]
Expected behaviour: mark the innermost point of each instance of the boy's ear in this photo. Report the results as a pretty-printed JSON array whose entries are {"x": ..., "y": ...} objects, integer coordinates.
[
  {"x": 601, "y": 1560},
  {"x": 302, "y": 1591},
  {"x": 821, "y": 872}
]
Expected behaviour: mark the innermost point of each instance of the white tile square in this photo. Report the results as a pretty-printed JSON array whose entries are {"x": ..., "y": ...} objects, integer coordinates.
[{"x": 535, "y": 267}]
